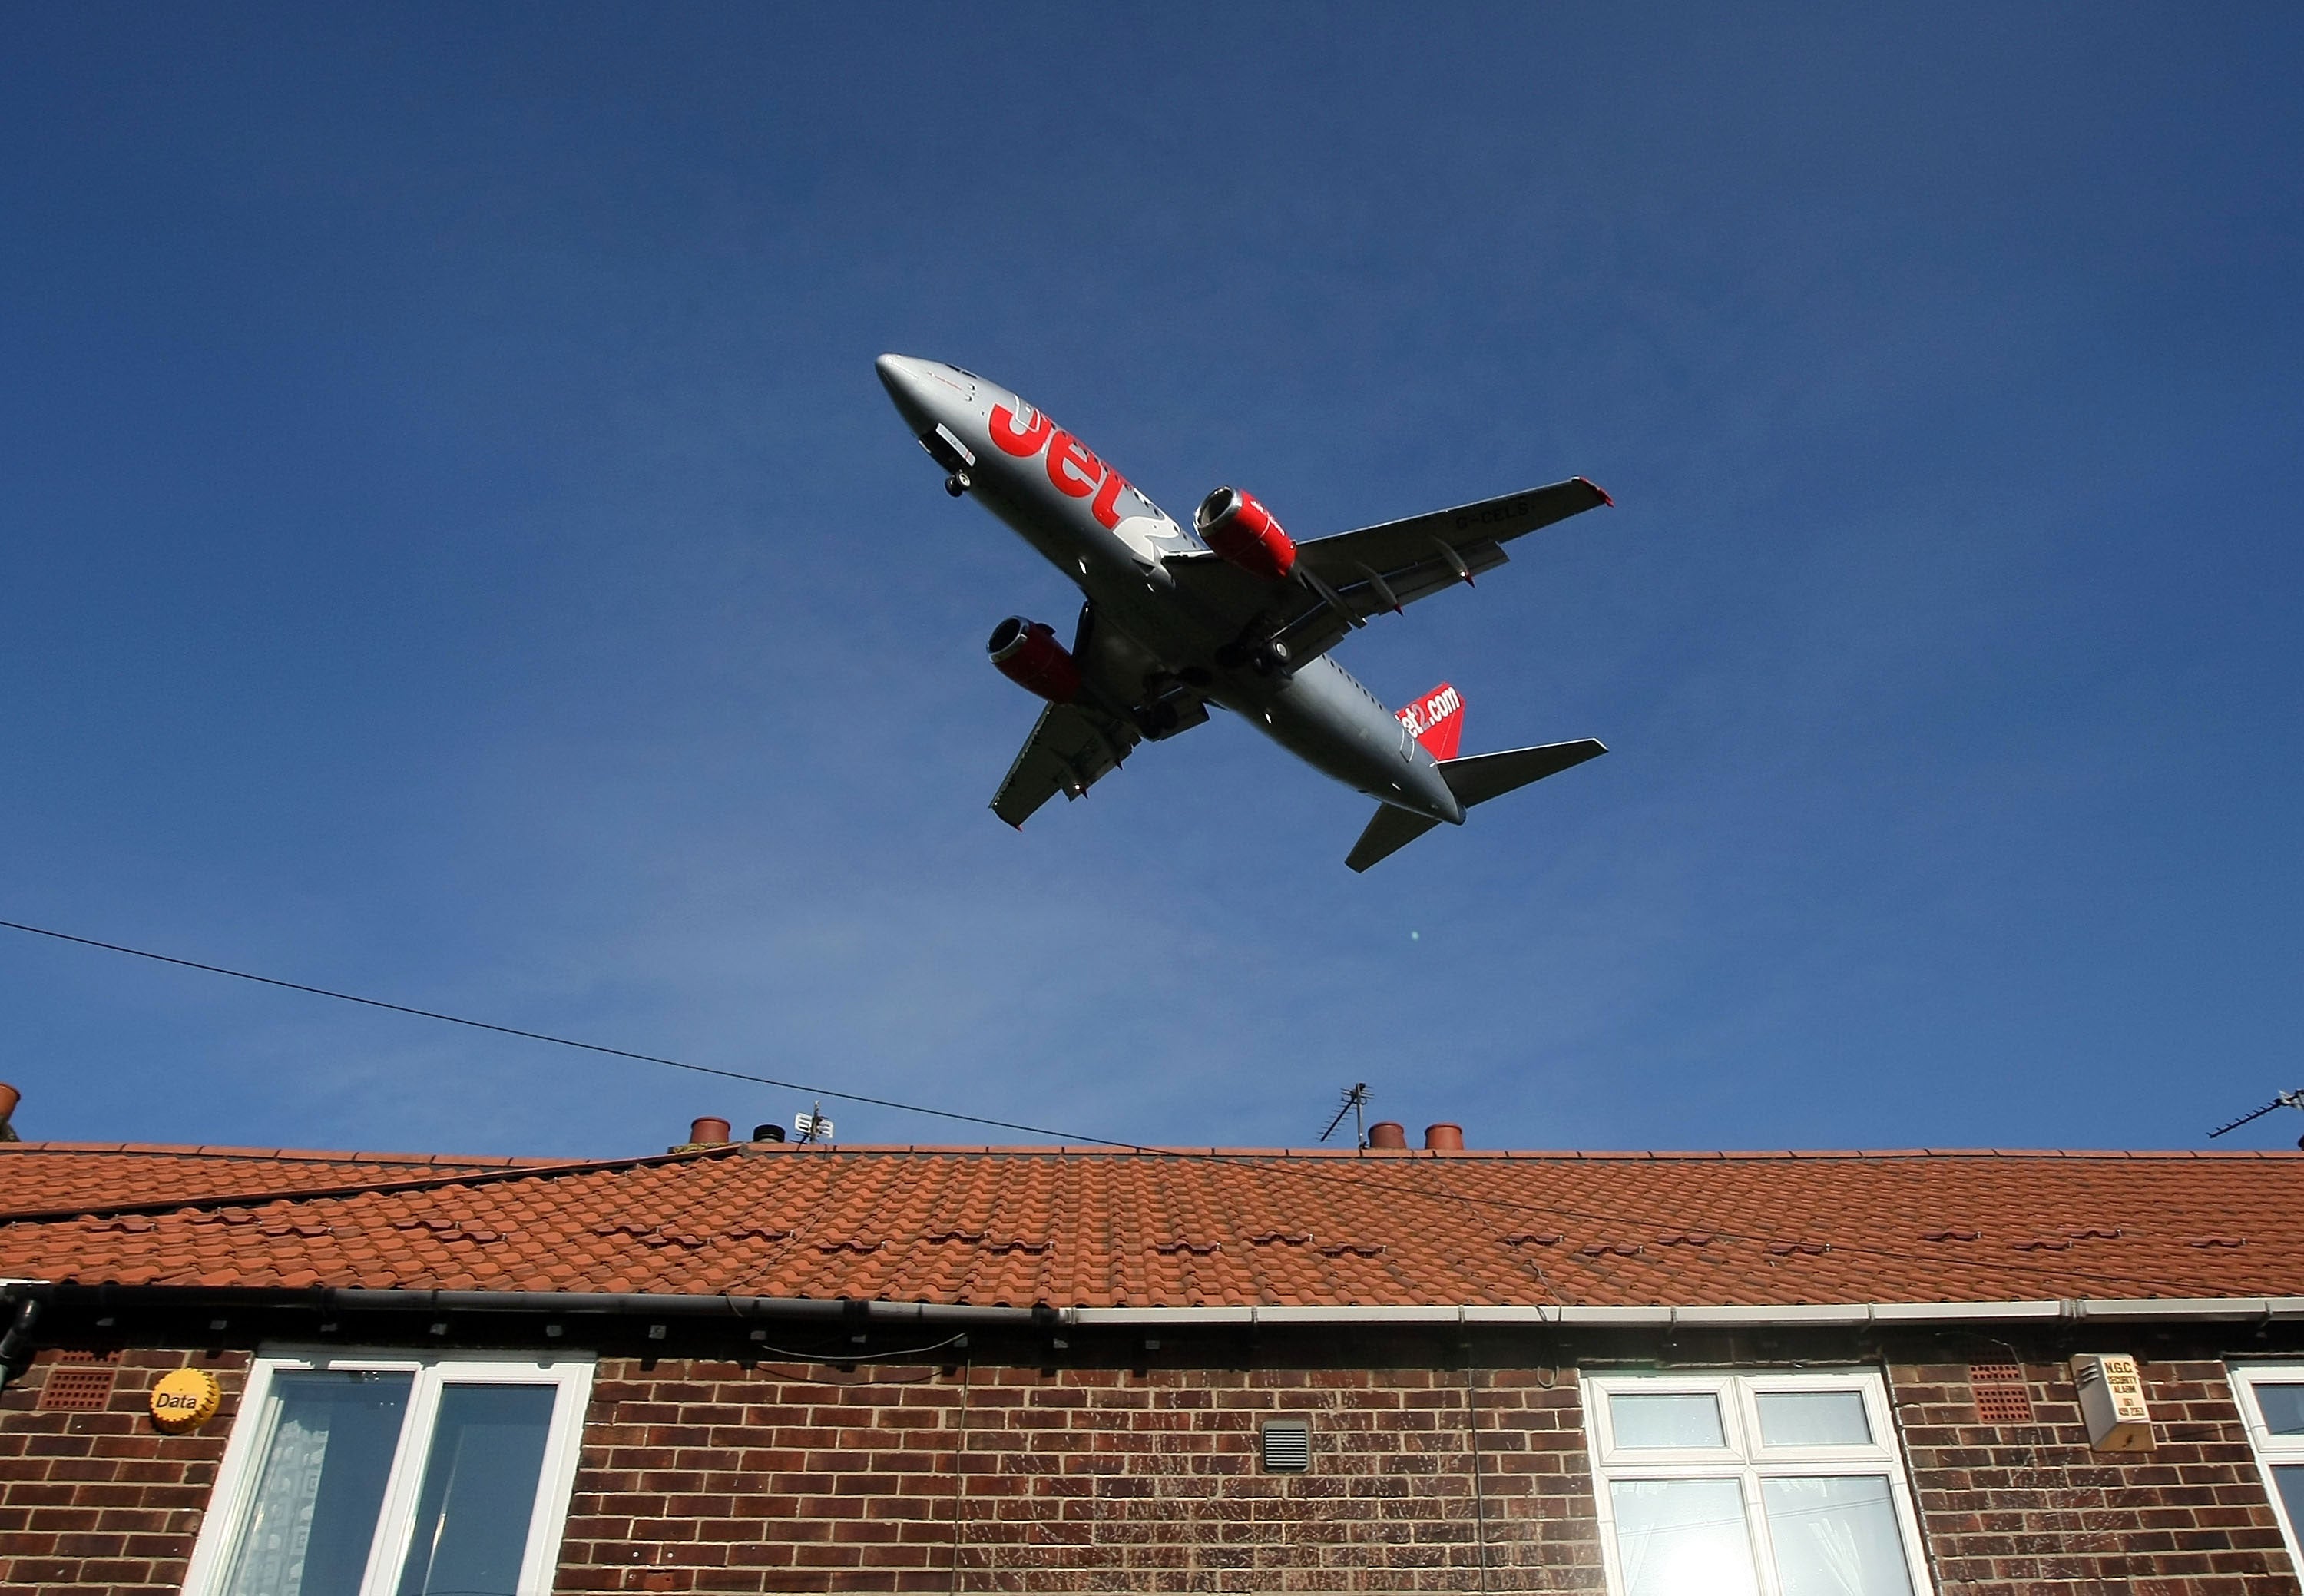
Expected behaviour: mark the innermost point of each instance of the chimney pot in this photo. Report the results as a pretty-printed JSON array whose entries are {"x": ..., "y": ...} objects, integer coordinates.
[
  {"x": 9, "y": 1098},
  {"x": 709, "y": 1132},
  {"x": 1388, "y": 1133},
  {"x": 1444, "y": 1138}
]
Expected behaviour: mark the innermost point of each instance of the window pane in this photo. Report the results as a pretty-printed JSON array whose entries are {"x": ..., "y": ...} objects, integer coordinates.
[
  {"x": 1814, "y": 1419},
  {"x": 1683, "y": 1538},
  {"x": 2283, "y": 1407},
  {"x": 479, "y": 1493},
  {"x": 1666, "y": 1419},
  {"x": 313, "y": 1515},
  {"x": 1835, "y": 1537},
  {"x": 2291, "y": 1481}
]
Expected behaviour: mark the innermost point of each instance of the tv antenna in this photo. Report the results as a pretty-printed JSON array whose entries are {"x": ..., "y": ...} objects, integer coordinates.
[
  {"x": 2286, "y": 1099},
  {"x": 1356, "y": 1097}
]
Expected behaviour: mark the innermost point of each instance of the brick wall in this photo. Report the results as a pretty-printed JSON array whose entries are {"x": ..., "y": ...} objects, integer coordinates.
[
  {"x": 791, "y": 1478},
  {"x": 2024, "y": 1508},
  {"x": 714, "y": 1476},
  {"x": 101, "y": 1500}
]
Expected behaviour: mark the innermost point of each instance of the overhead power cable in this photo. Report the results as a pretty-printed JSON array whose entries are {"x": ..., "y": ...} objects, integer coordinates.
[
  {"x": 566, "y": 1041},
  {"x": 1301, "y": 1169}
]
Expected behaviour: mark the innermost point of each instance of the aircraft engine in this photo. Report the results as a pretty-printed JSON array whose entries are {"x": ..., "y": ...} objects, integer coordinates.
[
  {"x": 1241, "y": 530},
  {"x": 1026, "y": 653}
]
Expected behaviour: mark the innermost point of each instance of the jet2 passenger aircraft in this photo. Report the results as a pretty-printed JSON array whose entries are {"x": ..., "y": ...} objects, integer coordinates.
[{"x": 1241, "y": 617}]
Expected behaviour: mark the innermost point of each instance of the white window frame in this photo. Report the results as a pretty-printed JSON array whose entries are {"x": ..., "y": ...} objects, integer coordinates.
[
  {"x": 251, "y": 1440},
  {"x": 2285, "y": 1450},
  {"x": 1744, "y": 1459}
]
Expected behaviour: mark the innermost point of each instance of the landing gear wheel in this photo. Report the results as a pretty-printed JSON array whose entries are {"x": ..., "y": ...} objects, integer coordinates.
[{"x": 957, "y": 484}]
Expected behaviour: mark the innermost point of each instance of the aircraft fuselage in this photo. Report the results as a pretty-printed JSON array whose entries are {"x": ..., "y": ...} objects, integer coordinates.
[{"x": 1111, "y": 540}]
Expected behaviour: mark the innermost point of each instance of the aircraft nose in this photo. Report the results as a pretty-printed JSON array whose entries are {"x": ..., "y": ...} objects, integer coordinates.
[{"x": 907, "y": 381}]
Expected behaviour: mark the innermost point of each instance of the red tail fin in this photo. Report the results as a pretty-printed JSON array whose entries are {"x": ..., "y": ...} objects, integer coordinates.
[{"x": 1436, "y": 721}]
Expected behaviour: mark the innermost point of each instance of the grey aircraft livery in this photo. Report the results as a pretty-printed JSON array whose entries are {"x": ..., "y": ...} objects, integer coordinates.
[{"x": 1241, "y": 616}]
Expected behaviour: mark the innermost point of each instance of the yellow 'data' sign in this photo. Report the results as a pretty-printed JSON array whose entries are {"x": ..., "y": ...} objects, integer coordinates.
[{"x": 185, "y": 1399}]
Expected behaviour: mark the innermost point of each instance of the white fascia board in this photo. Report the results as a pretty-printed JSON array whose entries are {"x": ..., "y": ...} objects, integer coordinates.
[
  {"x": 1538, "y": 1315},
  {"x": 2130, "y": 1308},
  {"x": 1625, "y": 1315},
  {"x": 1722, "y": 1316},
  {"x": 1181, "y": 1318},
  {"x": 1790, "y": 1313},
  {"x": 1965, "y": 1312},
  {"x": 1418, "y": 1314}
]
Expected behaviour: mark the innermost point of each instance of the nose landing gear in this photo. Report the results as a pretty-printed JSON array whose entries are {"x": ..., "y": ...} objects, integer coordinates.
[{"x": 957, "y": 484}]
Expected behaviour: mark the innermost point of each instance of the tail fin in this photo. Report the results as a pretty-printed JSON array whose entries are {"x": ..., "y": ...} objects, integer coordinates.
[
  {"x": 1436, "y": 721},
  {"x": 1474, "y": 780}
]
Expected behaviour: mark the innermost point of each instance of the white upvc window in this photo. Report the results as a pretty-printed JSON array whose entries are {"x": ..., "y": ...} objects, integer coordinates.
[
  {"x": 391, "y": 1473},
  {"x": 2271, "y": 1400},
  {"x": 1751, "y": 1485}
]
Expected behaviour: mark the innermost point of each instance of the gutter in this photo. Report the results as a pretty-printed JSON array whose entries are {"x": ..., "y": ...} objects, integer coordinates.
[
  {"x": 630, "y": 1304},
  {"x": 27, "y": 1298},
  {"x": 1788, "y": 1315}
]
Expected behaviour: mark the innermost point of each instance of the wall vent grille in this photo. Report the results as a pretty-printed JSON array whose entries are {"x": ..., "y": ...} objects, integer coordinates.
[
  {"x": 1287, "y": 1446},
  {"x": 81, "y": 1390},
  {"x": 2003, "y": 1396}
]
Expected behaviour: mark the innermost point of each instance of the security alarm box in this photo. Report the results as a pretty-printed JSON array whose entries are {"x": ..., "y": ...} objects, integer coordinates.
[{"x": 2112, "y": 1401}]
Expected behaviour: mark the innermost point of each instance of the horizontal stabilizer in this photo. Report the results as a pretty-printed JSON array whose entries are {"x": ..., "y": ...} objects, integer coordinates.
[
  {"x": 1392, "y": 830},
  {"x": 1485, "y": 775},
  {"x": 1473, "y": 780}
]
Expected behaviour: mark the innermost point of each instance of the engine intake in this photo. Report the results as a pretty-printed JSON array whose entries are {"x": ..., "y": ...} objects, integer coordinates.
[
  {"x": 1241, "y": 529},
  {"x": 1028, "y": 654}
]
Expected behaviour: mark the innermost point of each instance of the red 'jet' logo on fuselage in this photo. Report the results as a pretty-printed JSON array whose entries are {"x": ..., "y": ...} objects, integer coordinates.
[{"x": 1073, "y": 467}]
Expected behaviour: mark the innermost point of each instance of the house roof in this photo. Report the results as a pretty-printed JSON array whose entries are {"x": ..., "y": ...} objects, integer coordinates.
[
  {"x": 1097, "y": 1228},
  {"x": 50, "y": 1175}
]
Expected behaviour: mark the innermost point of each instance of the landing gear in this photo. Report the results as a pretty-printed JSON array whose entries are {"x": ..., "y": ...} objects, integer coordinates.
[
  {"x": 1266, "y": 656},
  {"x": 957, "y": 484}
]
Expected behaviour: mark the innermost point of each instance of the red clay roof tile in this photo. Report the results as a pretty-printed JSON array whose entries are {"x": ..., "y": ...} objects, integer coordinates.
[
  {"x": 1098, "y": 1227},
  {"x": 49, "y": 1176}
]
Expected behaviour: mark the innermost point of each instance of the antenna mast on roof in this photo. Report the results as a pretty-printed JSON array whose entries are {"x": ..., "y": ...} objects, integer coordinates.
[
  {"x": 813, "y": 1123},
  {"x": 2286, "y": 1099},
  {"x": 1356, "y": 1098}
]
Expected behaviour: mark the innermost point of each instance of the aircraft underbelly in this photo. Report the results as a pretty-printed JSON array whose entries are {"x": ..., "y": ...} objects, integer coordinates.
[{"x": 1325, "y": 718}]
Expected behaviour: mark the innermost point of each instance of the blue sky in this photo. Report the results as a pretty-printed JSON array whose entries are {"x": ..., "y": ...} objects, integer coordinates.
[{"x": 453, "y": 546}]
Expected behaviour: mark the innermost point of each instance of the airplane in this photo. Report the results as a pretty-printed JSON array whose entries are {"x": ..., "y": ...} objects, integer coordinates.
[{"x": 1240, "y": 615}]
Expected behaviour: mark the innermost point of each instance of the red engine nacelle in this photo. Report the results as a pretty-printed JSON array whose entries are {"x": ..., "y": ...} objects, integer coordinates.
[
  {"x": 1242, "y": 530},
  {"x": 1028, "y": 654}
]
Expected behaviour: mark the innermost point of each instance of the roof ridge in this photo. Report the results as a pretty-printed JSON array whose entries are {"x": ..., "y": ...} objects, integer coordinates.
[
  {"x": 1064, "y": 1149},
  {"x": 466, "y": 1177},
  {"x": 313, "y": 1155}
]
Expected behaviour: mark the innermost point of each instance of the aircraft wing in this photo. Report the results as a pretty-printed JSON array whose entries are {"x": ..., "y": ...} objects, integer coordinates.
[
  {"x": 1071, "y": 746},
  {"x": 1342, "y": 580}
]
